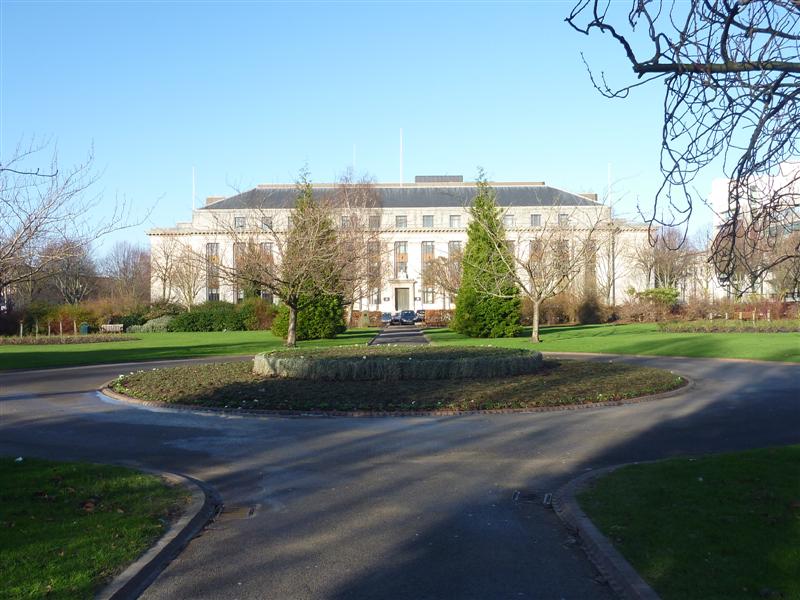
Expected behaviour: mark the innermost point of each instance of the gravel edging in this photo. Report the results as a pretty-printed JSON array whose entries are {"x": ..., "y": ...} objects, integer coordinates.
[
  {"x": 211, "y": 410},
  {"x": 617, "y": 571},
  {"x": 203, "y": 506}
]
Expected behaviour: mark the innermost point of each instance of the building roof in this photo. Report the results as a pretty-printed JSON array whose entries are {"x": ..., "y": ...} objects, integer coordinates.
[{"x": 410, "y": 196}]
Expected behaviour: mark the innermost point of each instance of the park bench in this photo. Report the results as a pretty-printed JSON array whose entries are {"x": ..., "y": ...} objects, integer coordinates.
[{"x": 111, "y": 328}]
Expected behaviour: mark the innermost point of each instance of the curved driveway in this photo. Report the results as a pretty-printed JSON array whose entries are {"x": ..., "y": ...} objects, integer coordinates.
[{"x": 393, "y": 507}]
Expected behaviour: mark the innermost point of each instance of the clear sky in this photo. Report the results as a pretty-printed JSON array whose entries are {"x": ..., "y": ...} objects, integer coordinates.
[{"x": 249, "y": 92}]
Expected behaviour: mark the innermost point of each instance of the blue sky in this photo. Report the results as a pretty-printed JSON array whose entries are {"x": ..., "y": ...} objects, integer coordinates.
[{"x": 249, "y": 92}]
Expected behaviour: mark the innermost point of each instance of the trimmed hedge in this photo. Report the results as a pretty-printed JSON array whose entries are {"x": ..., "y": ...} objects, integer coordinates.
[
  {"x": 731, "y": 326},
  {"x": 371, "y": 364},
  {"x": 209, "y": 316}
]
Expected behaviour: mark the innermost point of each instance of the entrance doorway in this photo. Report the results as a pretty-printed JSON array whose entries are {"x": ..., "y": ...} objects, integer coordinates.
[{"x": 401, "y": 299}]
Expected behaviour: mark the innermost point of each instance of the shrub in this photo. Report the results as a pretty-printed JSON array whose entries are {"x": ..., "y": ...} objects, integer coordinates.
[
  {"x": 731, "y": 326},
  {"x": 590, "y": 311},
  {"x": 390, "y": 363},
  {"x": 364, "y": 318},
  {"x": 257, "y": 314},
  {"x": 157, "y": 325},
  {"x": 318, "y": 317},
  {"x": 161, "y": 308},
  {"x": 209, "y": 316},
  {"x": 438, "y": 317}
]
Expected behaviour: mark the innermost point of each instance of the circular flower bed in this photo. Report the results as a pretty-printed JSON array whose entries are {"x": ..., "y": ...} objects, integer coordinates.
[{"x": 395, "y": 363}]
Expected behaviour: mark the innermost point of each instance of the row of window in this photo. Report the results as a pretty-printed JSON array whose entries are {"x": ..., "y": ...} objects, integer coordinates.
[{"x": 401, "y": 221}]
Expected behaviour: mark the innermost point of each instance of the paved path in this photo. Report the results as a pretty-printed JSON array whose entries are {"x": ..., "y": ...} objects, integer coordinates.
[
  {"x": 399, "y": 334},
  {"x": 415, "y": 508}
]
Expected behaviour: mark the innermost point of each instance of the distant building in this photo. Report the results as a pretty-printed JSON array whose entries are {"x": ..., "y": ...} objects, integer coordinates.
[{"x": 417, "y": 222}]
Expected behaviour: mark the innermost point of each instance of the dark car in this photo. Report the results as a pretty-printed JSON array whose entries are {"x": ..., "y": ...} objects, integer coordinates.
[
  {"x": 386, "y": 319},
  {"x": 395, "y": 319},
  {"x": 420, "y": 316},
  {"x": 408, "y": 317}
]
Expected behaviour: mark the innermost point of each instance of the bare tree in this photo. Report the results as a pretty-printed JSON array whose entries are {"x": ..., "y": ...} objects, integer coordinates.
[
  {"x": 163, "y": 263},
  {"x": 731, "y": 76},
  {"x": 664, "y": 260},
  {"x": 127, "y": 268},
  {"x": 546, "y": 262},
  {"x": 188, "y": 275},
  {"x": 352, "y": 203},
  {"x": 73, "y": 274},
  {"x": 46, "y": 215},
  {"x": 443, "y": 273},
  {"x": 311, "y": 254}
]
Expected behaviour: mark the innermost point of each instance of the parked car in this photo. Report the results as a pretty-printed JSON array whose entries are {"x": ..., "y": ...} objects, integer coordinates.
[
  {"x": 420, "y": 316},
  {"x": 386, "y": 319},
  {"x": 395, "y": 319},
  {"x": 407, "y": 317}
]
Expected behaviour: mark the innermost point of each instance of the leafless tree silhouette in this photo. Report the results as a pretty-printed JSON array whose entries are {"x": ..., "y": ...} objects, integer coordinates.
[{"x": 731, "y": 75}]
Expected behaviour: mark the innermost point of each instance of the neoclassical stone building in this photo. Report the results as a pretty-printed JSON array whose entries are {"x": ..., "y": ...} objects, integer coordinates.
[{"x": 416, "y": 222}]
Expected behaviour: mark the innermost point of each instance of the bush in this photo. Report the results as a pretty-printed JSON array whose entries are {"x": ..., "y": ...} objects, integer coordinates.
[
  {"x": 438, "y": 317},
  {"x": 364, "y": 318},
  {"x": 318, "y": 317},
  {"x": 161, "y": 308},
  {"x": 257, "y": 314},
  {"x": 590, "y": 311},
  {"x": 157, "y": 325},
  {"x": 394, "y": 364},
  {"x": 209, "y": 316},
  {"x": 731, "y": 326}
]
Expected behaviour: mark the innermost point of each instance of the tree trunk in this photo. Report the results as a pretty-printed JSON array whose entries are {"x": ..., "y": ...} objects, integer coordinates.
[
  {"x": 535, "y": 329},
  {"x": 291, "y": 334}
]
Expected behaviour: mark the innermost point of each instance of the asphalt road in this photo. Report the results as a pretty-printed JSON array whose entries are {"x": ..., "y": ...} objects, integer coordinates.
[
  {"x": 399, "y": 334},
  {"x": 411, "y": 508}
]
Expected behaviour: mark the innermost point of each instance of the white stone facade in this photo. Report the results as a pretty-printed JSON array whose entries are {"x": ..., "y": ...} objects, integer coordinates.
[{"x": 413, "y": 222}]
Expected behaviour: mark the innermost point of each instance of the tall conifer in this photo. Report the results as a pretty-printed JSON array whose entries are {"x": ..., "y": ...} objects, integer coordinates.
[{"x": 479, "y": 311}]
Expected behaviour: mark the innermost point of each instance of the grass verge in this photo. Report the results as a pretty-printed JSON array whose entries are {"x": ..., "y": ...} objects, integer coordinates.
[
  {"x": 723, "y": 526},
  {"x": 161, "y": 346},
  {"x": 68, "y": 528},
  {"x": 644, "y": 339},
  {"x": 559, "y": 383}
]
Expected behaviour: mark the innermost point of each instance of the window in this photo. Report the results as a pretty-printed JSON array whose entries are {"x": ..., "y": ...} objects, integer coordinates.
[
  {"x": 401, "y": 221},
  {"x": 536, "y": 220},
  {"x": 427, "y": 253},
  {"x": 453, "y": 248},
  {"x": 345, "y": 221},
  {"x": 239, "y": 222},
  {"x": 508, "y": 220},
  {"x": 428, "y": 296},
  {"x": 455, "y": 221},
  {"x": 512, "y": 247},
  {"x": 375, "y": 296},
  {"x": 427, "y": 221},
  {"x": 213, "y": 294},
  {"x": 266, "y": 250},
  {"x": 563, "y": 220},
  {"x": 288, "y": 222},
  {"x": 374, "y": 222},
  {"x": 266, "y": 223},
  {"x": 267, "y": 295},
  {"x": 400, "y": 259}
]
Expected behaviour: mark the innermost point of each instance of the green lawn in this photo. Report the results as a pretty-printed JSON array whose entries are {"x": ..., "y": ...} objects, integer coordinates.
[
  {"x": 68, "y": 528},
  {"x": 160, "y": 346},
  {"x": 724, "y": 526},
  {"x": 645, "y": 339}
]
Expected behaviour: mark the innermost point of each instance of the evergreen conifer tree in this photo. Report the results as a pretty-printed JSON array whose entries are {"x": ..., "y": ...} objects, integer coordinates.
[{"x": 479, "y": 312}]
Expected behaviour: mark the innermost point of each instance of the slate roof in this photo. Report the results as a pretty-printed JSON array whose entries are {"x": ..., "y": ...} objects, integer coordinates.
[{"x": 412, "y": 196}]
